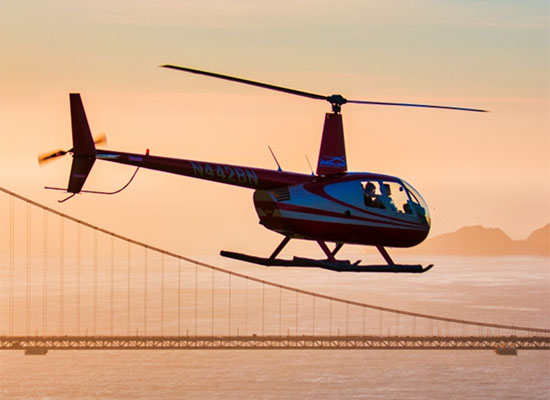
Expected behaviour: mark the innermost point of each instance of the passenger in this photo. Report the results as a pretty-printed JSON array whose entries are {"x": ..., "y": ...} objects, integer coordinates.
[
  {"x": 389, "y": 199},
  {"x": 371, "y": 198}
]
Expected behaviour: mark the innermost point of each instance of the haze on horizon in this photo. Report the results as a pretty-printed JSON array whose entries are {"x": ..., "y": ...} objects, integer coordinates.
[{"x": 473, "y": 169}]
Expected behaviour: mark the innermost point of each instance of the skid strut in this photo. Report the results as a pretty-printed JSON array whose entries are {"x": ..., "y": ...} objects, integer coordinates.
[
  {"x": 325, "y": 249},
  {"x": 279, "y": 248},
  {"x": 385, "y": 254},
  {"x": 337, "y": 248}
]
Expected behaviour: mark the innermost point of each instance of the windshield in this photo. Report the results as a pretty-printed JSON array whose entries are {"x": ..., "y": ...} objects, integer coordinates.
[{"x": 418, "y": 202}]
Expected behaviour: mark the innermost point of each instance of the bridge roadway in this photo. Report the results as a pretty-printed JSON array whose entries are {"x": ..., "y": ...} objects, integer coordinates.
[{"x": 273, "y": 342}]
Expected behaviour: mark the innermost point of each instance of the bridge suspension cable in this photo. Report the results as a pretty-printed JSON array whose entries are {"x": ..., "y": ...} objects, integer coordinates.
[{"x": 272, "y": 306}]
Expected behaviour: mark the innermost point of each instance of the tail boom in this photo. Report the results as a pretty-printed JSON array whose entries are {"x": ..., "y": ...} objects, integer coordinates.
[{"x": 248, "y": 177}]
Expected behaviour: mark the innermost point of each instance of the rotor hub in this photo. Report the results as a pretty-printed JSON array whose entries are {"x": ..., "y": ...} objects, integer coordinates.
[{"x": 337, "y": 100}]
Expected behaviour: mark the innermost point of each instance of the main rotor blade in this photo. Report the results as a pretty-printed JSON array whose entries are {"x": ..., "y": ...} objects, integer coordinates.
[
  {"x": 248, "y": 82},
  {"x": 336, "y": 100},
  {"x": 380, "y": 103}
]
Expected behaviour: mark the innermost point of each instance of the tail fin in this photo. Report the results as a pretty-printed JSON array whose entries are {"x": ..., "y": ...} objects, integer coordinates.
[{"x": 83, "y": 145}]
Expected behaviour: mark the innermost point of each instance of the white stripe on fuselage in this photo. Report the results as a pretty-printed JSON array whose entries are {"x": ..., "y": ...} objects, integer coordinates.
[{"x": 286, "y": 214}]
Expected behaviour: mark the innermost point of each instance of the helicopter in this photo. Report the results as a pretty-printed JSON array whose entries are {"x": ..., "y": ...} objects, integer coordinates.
[{"x": 331, "y": 205}]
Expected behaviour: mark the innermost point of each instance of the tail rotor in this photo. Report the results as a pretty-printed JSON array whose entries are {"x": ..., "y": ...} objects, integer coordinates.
[{"x": 45, "y": 158}]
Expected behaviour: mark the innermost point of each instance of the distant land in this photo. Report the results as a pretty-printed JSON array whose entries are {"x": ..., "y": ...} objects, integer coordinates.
[{"x": 480, "y": 241}]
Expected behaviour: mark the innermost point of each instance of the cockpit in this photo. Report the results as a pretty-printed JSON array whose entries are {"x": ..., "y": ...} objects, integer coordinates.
[
  {"x": 395, "y": 197},
  {"x": 384, "y": 195}
]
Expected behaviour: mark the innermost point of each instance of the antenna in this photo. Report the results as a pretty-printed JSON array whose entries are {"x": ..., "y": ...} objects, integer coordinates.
[
  {"x": 275, "y": 158},
  {"x": 308, "y": 163}
]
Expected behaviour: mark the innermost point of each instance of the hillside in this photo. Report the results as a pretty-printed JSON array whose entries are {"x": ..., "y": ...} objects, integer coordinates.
[
  {"x": 538, "y": 242},
  {"x": 480, "y": 241}
]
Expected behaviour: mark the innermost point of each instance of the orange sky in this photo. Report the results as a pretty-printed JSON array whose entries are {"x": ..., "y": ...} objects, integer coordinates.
[{"x": 490, "y": 169}]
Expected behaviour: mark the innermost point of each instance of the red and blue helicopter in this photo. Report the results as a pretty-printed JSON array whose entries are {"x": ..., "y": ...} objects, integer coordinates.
[{"x": 330, "y": 206}]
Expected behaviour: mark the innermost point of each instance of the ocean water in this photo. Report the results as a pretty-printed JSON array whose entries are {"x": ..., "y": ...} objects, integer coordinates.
[{"x": 509, "y": 290}]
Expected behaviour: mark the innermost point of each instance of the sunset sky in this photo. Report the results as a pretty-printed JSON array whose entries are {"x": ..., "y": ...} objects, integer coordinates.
[{"x": 490, "y": 169}]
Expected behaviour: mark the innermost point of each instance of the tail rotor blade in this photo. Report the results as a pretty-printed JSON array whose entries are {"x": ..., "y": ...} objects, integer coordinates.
[
  {"x": 52, "y": 155},
  {"x": 100, "y": 139}
]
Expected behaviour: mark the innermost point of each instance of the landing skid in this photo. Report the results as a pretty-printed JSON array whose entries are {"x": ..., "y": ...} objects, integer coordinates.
[
  {"x": 337, "y": 265},
  {"x": 330, "y": 263}
]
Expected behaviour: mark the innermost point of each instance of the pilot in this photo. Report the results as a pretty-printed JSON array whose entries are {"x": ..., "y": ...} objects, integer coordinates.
[{"x": 370, "y": 197}]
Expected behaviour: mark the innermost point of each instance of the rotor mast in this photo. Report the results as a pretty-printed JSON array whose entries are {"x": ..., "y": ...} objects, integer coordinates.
[{"x": 336, "y": 101}]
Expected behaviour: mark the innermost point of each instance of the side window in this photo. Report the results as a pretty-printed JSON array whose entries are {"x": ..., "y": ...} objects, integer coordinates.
[
  {"x": 396, "y": 197},
  {"x": 421, "y": 211},
  {"x": 418, "y": 204}
]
